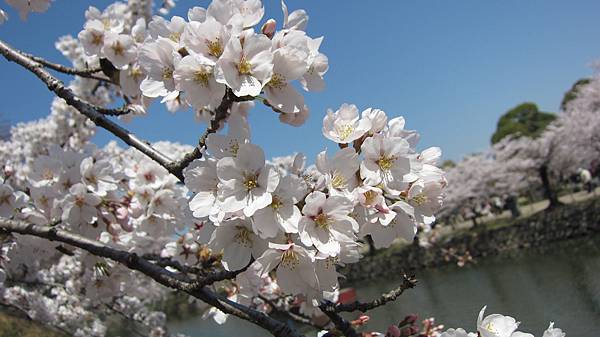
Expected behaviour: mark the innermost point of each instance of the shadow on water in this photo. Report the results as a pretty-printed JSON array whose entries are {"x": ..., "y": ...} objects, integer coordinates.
[{"x": 559, "y": 282}]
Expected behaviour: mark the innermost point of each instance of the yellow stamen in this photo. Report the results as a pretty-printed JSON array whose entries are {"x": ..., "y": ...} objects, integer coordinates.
[
  {"x": 118, "y": 49},
  {"x": 243, "y": 236},
  {"x": 386, "y": 163},
  {"x": 338, "y": 181},
  {"x": 277, "y": 81},
  {"x": 244, "y": 68},
  {"x": 345, "y": 131},
  {"x": 250, "y": 182},
  {"x": 215, "y": 48},
  {"x": 276, "y": 203},
  {"x": 167, "y": 73},
  {"x": 289, "y": 259},
  {"x": 323, "y": 221},
  {"x": 201, "y": 76}
]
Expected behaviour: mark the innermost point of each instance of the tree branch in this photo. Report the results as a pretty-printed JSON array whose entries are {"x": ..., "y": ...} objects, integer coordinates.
[
  {"x": 87, "y": 109},
  {"x": 64, "y": 69},
  {"x": 407, "y": 283},
  {"x": 221, "y": 114},
  {"x": 157, "y": 273},
  {"x": 340, "y": 322}
]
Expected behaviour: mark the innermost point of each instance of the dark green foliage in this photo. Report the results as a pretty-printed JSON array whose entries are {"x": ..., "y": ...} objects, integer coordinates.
[
  {"x": 448, "y": 164},
  {"x": 525, "y": 120},
  {"x": 572, "y": 93}
]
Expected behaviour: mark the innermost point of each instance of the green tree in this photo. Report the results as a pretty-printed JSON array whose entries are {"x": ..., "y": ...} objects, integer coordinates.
[
  {"x": 525, "y": 119},
  {"x": 572, "y": 93}
]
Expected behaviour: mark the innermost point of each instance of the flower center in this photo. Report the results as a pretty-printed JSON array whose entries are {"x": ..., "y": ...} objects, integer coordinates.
[
  {"x": 289, "y": 259},
  {"x": 243, "y": 236},
  {"x": 244, "y": 68},
  {"x": 250, "y": 182},
  {"x": 277, "y": 81},
  {"x": 167, "y": 73},
  {"x": 385, "y": 163},
  {"x": 79, "y": 201},
  {"x": 345, "y": 131},
  {"x": 323, "y": 221},
  {"x": 135, "y": 72},
  {"x": 4, "y": 199},
  {"x": 276, "y": 203},
  {"x": 338, "y": 181},
  {"x": 234, "y": 147},
  {"x": 201, "y": 76},
  {"x": 420, "y": 199},
  {"x": 175, "y": 36},
  {"x": 118, "y": 49},
  {"x": 370, "y": 196},
  {"x": 97, "y": 39},
  {"x": 214, "y": 47}
]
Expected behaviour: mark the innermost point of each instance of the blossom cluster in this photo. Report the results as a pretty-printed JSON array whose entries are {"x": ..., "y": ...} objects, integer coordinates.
[
  {"x": 301, "y": 222},
  {"x": 193, "y": 62},
  {"x": 288, "y": 224}
]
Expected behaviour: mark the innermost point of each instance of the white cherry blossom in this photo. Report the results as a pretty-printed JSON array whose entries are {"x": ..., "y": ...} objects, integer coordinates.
[
  {"x": 246, "y": 66},
  {"x": 245, "y": 183},
  {"x": 345, "y": 126}
]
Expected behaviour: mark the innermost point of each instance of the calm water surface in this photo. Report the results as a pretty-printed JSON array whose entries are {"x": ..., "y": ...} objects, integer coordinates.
[{"x": 560, "y": 283}]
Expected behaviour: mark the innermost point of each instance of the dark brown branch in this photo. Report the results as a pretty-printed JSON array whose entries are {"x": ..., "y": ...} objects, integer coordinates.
[
  {"x": 407, "y": 283},
  {"x": 221, "y": 114},
  {"x": 87, "y": 109},
  {"x": 64, "y": 69},
  {"x": 157, "y": 273},
  {"x": 293, "y": 316},
  {"x": 340, "y": 322}
]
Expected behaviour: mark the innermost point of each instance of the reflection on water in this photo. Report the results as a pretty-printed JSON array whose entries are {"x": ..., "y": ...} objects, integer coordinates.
[{"x": 560, "y": 284}]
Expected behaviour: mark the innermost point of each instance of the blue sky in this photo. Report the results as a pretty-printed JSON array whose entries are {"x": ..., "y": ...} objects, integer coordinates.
[{"x": 451, "y": 68}]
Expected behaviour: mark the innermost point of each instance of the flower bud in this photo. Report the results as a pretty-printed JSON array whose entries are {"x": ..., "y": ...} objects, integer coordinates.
[
  {"x": 269, "y": 28},
  {"x": 408, "y": 320},
  {"x": 392, "y": 331}
]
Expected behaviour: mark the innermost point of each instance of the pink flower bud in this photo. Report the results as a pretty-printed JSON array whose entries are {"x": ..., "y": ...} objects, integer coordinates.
[
  {"x": 269, "y": 28},
  {"x": 392, "y": 331}
]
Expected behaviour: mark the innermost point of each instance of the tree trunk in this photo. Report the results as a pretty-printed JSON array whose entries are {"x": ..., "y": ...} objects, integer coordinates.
[
  {"x": 549, "y": 192},
  {"x": 512, "y": 205}
]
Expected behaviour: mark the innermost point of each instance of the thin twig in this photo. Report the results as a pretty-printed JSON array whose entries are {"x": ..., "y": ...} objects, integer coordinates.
[
  {"x": 340, "y": 322},
  {"x": 62, "y": 68},
  {"x": 407, "y": 283}
]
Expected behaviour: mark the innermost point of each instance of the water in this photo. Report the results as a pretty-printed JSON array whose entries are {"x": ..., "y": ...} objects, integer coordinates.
[{"x": 560, "y": 284}]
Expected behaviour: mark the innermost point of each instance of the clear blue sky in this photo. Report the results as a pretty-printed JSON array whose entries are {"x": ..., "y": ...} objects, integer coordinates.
[{"x": 449, "y": 67}]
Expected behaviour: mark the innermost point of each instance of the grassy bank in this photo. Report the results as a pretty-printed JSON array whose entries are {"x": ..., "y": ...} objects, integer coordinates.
[{"x": 12, "y": 326}]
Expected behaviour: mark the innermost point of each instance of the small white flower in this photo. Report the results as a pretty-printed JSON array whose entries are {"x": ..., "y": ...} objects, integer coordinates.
[
  {"x": 80, "y": 206},
  {"x": 295, "y": 267},
  {"x": 497, "y": 325},
  {"x": 245, "y": 183},
  {"x": 385, "y": 162},
  {"x": 246, "y": 66},
  {"x": 119, "y": 49},
  {"x": 201, "y": 178},
  {"x": 403, "y": 225},
  {"x": 159, "y": 58},
  {"x": 208, "y": 38},
  {"x": 344, "y": 126},
  {"x": 325, "y": 220},
  {"x": 282, "y": 214},
  {"x": 249, "y": 12},
  {"x": 340, "y": 170},
  {"x": 194, "y": 75},
  {"x": 553, "y": 332},
  {"x": 238, "y": 242},
  {"x": 26, "y": 6}
]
